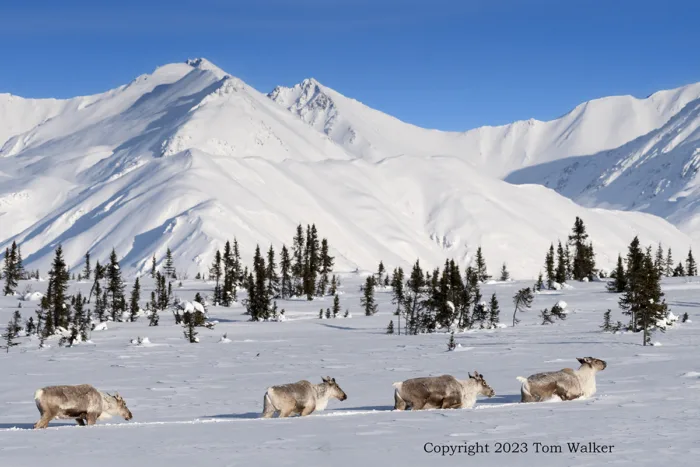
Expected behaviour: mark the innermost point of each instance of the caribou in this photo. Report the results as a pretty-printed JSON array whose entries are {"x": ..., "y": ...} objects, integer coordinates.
[
  {"x": 83, "y": 403},
  {"x": 300, "y": 398},
  {"x": 566, "y": 384},
  {"x": 440, "y": 392}
]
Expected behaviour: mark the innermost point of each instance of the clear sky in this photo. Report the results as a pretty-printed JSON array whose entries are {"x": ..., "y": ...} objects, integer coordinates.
[{"x": 447, "y": 64}]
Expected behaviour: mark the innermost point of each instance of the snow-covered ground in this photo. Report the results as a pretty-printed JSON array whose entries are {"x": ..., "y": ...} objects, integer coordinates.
[{"x": 198, "y": 404}]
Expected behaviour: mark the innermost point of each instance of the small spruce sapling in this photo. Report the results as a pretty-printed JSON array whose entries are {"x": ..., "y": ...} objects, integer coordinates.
[
  {"x": 558, "y": 312},
  {"x": 494, "y": 311},
  {"x": 546, "y": 317},
  {"x": 606, "y": 327},
  {"x": 30, "y": 326},
  {"x": 539, "y": 285},
  {"x": 390, "y": 327},
  {"x": 505, "y": 275},
  {"x": 190, "y": 331},
  {"x": 153, "y": 319},
  {"x": 336, "y": 306},
  {"x": 11, "y": 332},
  {"x": 328, "y": 313},
  {"x": 451, "y": 344},
  {"x": 523, "y": 301}
]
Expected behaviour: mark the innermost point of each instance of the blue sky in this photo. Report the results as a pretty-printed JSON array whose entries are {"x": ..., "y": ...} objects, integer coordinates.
[{"x": 444, "y": 64}]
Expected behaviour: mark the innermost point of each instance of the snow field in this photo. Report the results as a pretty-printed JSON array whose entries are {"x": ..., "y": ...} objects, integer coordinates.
[{"x": 199, "y": 403}]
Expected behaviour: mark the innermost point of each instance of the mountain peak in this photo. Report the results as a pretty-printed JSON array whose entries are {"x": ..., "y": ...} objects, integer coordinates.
[{"x": 204, "y": 64}]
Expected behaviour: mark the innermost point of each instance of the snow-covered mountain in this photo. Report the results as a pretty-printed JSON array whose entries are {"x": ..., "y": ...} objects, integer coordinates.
[
  {"x": 589, "y": 128},
  {"x": 188, "y": 157},
  {"x": 656, "y": 173}
]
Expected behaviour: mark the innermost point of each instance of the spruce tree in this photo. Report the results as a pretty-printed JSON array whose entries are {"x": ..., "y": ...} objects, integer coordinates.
[
  {"x": 326, "y": 268},
  {"x": 659, "y": 261},
  {"x": 286, "y": 286},
  {"x": 560, "y": 275},
  {"x": 261, "y": 289},
  {"x": 333, "y": 289},
  {"x": 115, "y": 285},
  {"x": 312, "y": 261},
  {"x": 398, "y": 294},
  {"x": 87, "y": 270},
  {"x": 631, "y": 301},
  {"x": 299, "y": 260},
  {"x": 480, "y": 313},
  {"x": 153, "y": 318},
  {"x": 169, "y": 268},
  {"x": 412, "y": 301},
  {"x": 83, "y": 317},
  {"x": 134, "y": 301},
  {"x": 451, "y": 344},
  {"x": 239, "y": 277},
  {"x": 522, "y": 301},
  {"x": 481, "y": 266},
  {"x": 258, "y": 298},
  {"x": 583, "y": 261},
  {"x": 215, "y": 272},
  {"x": 557, "y": 312},
  {"x": 669, "y": 263},
  {"x": 367, "y": 300},
  {"x": 549, "y": 267},
  {"x": 380, "y": 272},
  {"x": 539, "y": 285},
  {"x": 494, "y": 311},
  {"x": 679, "y": 271},
  {"x": 58, "y": 282},
  {"x": 336, "y": 306},
  {"x": 607, "y": 326},
  {"x": 505, "y": 275},
  {"x": 619, "y": 283},
  {"x": 153, "y": 266},
  {"x": 273, "y": 280},
  {"x": 390, "y": 327},
  {"x": 568, "y": 263},
  {"x": 228, "y": 292},
  {"x": 190, "y": 330},
  {"x": 652, "y": 306},
  {"x": 12, "y": 331},
  {"x": 20, "y": 273},
  {"x": 10, "y": 270},
  {"x": 30, "y": 326},
  {"x": 691, "y": 268},
  {"x": 100, "y": 305}
]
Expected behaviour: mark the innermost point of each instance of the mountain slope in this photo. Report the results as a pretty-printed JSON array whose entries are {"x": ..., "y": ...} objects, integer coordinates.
[
  {"x": 656, "y": 173},
  {"x": 591, "y": 127},
  {"x": 189, "y": 157}
]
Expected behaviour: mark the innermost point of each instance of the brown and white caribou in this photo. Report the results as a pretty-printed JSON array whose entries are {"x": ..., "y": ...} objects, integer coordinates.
[
  {"x": 300, "y": 398},
  {"x": 440, "y": 392},
  {"x": 566, "y": 384},
  {"x": 83, "y": 403}
]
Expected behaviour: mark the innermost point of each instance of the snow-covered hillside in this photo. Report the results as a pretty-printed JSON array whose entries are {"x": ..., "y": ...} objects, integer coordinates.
[
  {"x": 656, "y": 173},
  {"x": 591, "y": 127},
  {"x": 188, "y": 157}
]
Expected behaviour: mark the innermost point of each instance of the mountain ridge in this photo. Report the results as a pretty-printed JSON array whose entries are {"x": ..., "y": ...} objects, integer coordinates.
[{"x": 190, "y": 156}]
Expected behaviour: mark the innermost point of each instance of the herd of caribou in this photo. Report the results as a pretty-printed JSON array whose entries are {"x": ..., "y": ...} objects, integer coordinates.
[{"x": 86, "y": 404}]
